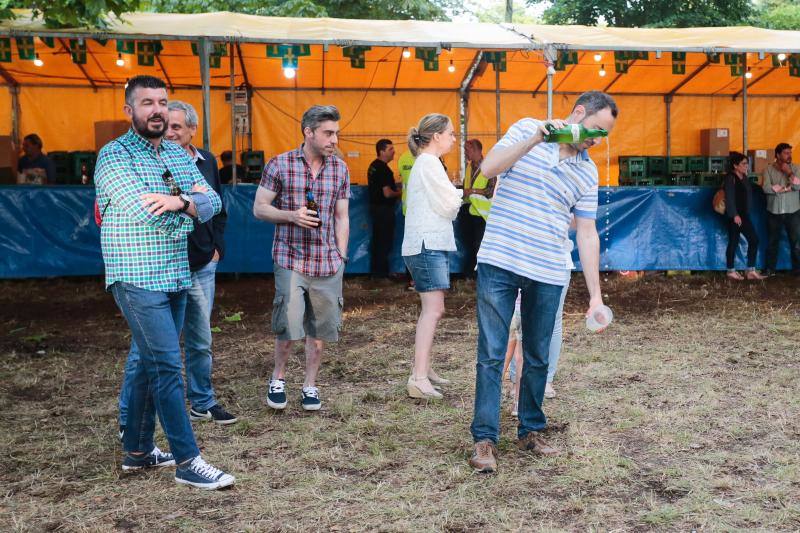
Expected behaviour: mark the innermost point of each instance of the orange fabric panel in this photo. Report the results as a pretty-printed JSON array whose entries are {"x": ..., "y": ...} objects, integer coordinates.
[{"x": 5, "y": 111}]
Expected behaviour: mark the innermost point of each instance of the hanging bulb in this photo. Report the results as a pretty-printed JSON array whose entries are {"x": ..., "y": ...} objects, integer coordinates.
[
  {"x": 38, "y": 62},
  {"x": 748, "y": 74},
  {"x": 781, "y": 57},
  {"x": 598, "y": 57},
  {"x": 452, "y": 67},
  {"x": 406, "y": 53},
  {"x": 289, "y": 72},
  {"x": 120, "y": 61},
  {"x": 602, "y": 71}
]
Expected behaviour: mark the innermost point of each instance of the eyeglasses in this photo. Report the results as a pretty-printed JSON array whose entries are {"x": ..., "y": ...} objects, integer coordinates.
[{"x": 174, "y": 189}]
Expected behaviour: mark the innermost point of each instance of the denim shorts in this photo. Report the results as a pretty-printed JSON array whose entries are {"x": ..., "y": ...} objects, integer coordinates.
[{"x": 430, "y": 270}]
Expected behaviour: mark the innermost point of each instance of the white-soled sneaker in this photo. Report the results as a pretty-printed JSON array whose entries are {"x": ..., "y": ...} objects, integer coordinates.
[
  {"x": 202, "y": 475},
  {"x": 310, "y": 399},
  {"x": 276, "y": 395},
  {"x": 154, "y": 458}
]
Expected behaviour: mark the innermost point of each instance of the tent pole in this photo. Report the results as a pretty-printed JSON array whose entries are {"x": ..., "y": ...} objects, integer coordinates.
[
  {"x": 15, "y": 112},
  {"x": 466, "y": 86},
  {"x": 668, "y": 102},
  {"x": 497, "y": 100},
  {"x": 204, "y": 49},
  {"x": 549, "y": 61},
  {"x": 234, "y": 178},
  {"x": 744, "y": 107}
]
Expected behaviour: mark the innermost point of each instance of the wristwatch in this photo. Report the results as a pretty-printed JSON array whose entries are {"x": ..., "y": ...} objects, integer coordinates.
[{"x": 186, "y": 201}]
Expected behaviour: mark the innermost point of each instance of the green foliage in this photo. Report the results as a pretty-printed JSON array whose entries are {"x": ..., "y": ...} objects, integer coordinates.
[
  {"x": 648, "y": 13},
  {"x": 71, "y": 13},
  {"x": 779, "y": 15}
]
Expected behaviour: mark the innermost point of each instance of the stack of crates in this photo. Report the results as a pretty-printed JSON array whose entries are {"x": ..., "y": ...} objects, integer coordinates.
[
  {"x": 81, "y": 161},
  {"x": 679, "y": 174},
  {"x": 62, "y": 163},
  {"x": 632, "y": 170},
  {"x": 253, "y": 162}
]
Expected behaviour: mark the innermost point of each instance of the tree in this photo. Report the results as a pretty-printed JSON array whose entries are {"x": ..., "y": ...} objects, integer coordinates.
[
  {"x": 648, "y": 13},
  {"x": 779, "y": 15},
  {"x": 70, "y": 13}
]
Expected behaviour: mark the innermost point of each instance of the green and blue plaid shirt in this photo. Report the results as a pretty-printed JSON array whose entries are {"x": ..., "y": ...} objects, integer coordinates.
[{"x": 139, "y": 248}]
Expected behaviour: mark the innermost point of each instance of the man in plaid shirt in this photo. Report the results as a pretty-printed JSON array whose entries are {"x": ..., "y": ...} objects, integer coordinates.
[
  {"x": 310, "y": 247},
  {"x": 149, "y": 192}
]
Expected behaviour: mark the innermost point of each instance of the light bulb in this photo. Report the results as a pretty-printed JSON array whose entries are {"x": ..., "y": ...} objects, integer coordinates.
[
  {"x": 289, "y": 72},
  {"x": 452, "y": 67},
  {"x": 748, "y": 74},
  {"x": 38, "y": 62},
  {"x": 602, "y": 71},
  {"x": 406, "y": 53},
  {"x": 120, "y": 61},
  {"x": 598, "y": 57},
  {"x": 781, "y": 57}
]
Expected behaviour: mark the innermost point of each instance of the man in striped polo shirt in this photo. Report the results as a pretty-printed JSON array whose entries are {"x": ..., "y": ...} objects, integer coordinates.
[{"x": 541, "y": 186}]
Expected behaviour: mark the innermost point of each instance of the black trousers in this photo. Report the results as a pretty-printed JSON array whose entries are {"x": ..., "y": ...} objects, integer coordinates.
[
  {"x": 382, "y": 238},
  {"x": 470, "y": 232},
  {"x": 749, "y": 232},
  {"x": 775, "y": 223}
]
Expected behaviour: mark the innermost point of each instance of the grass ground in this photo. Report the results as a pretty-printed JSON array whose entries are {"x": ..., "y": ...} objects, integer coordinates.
[{"x": 684, "y": 415}]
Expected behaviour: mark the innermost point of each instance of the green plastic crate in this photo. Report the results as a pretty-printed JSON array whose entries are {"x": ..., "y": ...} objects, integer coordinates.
[
  {"x": 253, "y": 162},
  {"x": 79, "y": 160},
  {"x": 63, "y": 166},
  {"x": 682, "y": 180},
  {"x": 678, "y": 165},
  {"x": 710, "y": 180},
  {"x": 656, "y": 166},
  {"x": 632, "y": 167},
  {"x": 697, "y": 164},
  {"x": 718, "y": 165},
  {"x": 650, "y": 181}
]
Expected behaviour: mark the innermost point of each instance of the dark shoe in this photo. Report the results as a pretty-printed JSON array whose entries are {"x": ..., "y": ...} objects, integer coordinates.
[
  {"x": 769, "y": 273},
  {"x": 197, "y": 473},
  {"x": 276, "y": 396},
  {"x": 484, "y": 457},
  {"x": 533, "y": 442},
  {"x": 215, "y": 413},
  {"x": 154, "y": 458},
  {"x": 310, "y": 399}
]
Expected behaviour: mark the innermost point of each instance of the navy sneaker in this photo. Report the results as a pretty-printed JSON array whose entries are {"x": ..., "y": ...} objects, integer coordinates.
[
  {"x": 152, "y": 459},
  {"x": 310, "y": 399},
  {"x": 215, "y": 413},
  {"x": 198, "y": 473},
  {"x": 276, "y": 396}
]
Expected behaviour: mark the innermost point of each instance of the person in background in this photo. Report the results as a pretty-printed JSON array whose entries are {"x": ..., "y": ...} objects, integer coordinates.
[
  {"x": 226, "y": 172},
  {"x": 433, "y": 204},
  {"x": 383, "y": 195},
  {"x": 738, "y": 204},
  {"x": 781, "y": 183},
  {"x": 34, "y": 167},
  {"x": 471, "y": 222}
]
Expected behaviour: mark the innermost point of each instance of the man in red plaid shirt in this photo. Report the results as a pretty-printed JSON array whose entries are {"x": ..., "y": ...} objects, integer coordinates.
[{"x": 310, "y": 247}]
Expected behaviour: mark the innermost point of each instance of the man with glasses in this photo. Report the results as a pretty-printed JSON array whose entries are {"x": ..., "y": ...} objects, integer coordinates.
[
  {"x": 150, "y": 192},
  {"x": 309, "y": 250}
]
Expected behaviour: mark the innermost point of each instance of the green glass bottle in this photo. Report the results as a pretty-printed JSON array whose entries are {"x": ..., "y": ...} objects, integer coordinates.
[{"x": 572, "y": 134}]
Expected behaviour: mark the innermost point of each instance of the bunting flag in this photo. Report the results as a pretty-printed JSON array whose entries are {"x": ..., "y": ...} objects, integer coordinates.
[
  {"x": 566, "y": 57},
  {"x": 357, "y": 55},
  {"x": 5, "y": 50},
  {"x": 497, "y": 59},
  {"x": 49, "y": 42},
  {"x": 101, "y": 42},
  {"x": 736, "y": 62},
  {"x": 77, "y": 49},
  {"x": 146, "y": 52},
  {"x": 215, "y": 55},
  {"x": 429, "y": 57},
  {"x": 25, "y": 48},
  {"x": 679, "y": 62},
  {"x": 794, "y": 65},
  {"x": 289, "y": 54},
  {"x": 621, "y": 62},
  {"x": 126, "y": 47},
  {"x": 712, "y": 57}
]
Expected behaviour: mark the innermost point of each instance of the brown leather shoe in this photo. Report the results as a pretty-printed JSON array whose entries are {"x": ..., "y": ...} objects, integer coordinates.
[
  {"x": 533, "y": 442},
  {"x": 483, "y": 457}
]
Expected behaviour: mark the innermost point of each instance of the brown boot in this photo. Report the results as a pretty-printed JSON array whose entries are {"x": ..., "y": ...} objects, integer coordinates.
[
  {"x": 484, "y": 457},
  {"x": 533, "y": 442}
]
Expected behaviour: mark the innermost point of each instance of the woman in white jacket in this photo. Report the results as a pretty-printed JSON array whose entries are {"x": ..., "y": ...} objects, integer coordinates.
[{"x": 432, "y": 205}]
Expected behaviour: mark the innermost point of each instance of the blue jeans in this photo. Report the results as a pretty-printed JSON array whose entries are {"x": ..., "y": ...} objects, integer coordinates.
[
  {"x": 156, "y": 386},
  {"x": 197, "y": 343},
  {"x": 497, "y": 292}
]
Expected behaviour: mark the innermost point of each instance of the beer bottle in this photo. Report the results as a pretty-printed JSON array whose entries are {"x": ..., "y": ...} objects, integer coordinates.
[
  {"x": 84, "y": 175},
  {"x": 572, "y": 134},
  {"x": 311, "y": 204}
]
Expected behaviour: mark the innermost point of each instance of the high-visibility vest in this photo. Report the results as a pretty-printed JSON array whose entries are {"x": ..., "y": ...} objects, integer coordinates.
[
  {"x": 404, "y": 166},
  {"x": 479, "y": 204}
]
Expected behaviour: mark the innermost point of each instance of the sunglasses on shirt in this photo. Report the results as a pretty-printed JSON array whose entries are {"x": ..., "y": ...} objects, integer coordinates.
[{"x": 169, "y": 181}]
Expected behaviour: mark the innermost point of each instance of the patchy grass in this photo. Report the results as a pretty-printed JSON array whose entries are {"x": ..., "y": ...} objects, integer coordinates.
[{"x": 684, "y": 415}]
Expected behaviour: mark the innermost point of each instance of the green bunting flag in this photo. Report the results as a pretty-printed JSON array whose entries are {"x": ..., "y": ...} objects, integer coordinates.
[
  {"x": 146, "y": 52},
  {"x": 566, "y": 57},
  {"x": 289, "y": 54},
  {"x": 101, "y": 42},
  {"x": 49, "y": 42},
  {"x": 497, "y": 59},
  {"x": 357, "y": 55},
  {"x": 126, "y": 47},
  {"x": 77, "y": 49},
  {"x": 26, "y": 48},
  {"x": 794, "y": 66},
  {"x": 736, "y": 62},
  {"x": 679, "y": 62},
  {"x": 429, "y": 57},
  {"x": 215, "y": 55},
  {"x": 5, "y": 50},
  {"x": 713, "y": 57},
  {"x": 621, "y": 62}
]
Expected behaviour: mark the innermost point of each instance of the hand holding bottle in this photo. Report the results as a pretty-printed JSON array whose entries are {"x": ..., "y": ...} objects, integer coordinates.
[{"x": 543, "y": 130}]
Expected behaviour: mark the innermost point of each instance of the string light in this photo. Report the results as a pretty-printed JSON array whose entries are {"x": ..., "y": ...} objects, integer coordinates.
[
  {"x": 120, "y": 61},
  {"x": 598, "y": 57},
  {"x": 37, "y": 61},
  {"x": 781, "y": 57},
  {"x": 406, "y": 53},
  {"x": 748, "y": 74},
  {"x": 602, "y": 71},
  {"x": 452, "y": 67},
  {"x": 289, "y": 72}
]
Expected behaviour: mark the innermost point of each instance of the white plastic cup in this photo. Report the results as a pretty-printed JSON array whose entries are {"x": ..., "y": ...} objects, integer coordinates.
[{"x": 599, "y": 319}]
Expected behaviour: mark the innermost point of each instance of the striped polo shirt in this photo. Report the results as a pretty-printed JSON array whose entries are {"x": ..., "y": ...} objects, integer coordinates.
[{"x": 530, "y": 215}]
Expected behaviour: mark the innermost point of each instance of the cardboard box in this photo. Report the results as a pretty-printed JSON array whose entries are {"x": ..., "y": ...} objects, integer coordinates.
[
  {"x": 8, "y": 155},
  {"x": 759, "y": 160},
  {"x": 106, "y": 131},
  {"x": 715, "y": 142}
]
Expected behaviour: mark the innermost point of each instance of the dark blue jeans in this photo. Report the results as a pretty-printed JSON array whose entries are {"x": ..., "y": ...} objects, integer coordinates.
[
  {"x": 497, "y": 292},
  {"x": 155, "y": 319}
]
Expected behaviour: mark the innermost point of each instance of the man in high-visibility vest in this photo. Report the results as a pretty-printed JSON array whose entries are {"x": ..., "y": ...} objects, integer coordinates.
[
  {"x": 404, "y": 166},
  {"x": 478, "y": 191}
]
